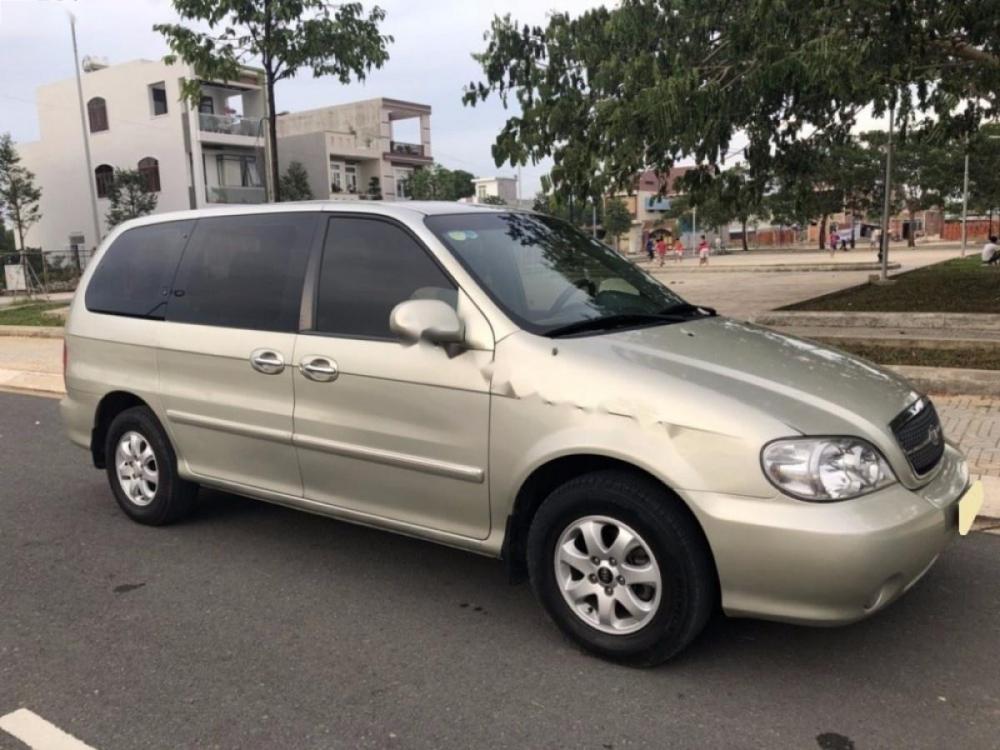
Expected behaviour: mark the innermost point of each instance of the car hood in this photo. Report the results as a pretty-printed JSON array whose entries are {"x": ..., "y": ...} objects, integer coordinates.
[{"x": 812, "y": 388}]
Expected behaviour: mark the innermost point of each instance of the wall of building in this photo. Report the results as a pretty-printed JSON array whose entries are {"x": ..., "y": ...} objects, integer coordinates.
[
  {"x": 134, "y": 133},
  {"x": 310, "y": 150},
  {"x": 353, "y": 129}
]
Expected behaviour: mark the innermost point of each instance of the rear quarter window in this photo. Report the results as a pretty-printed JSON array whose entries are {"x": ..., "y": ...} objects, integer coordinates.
[{"x": 135, "y": 273}]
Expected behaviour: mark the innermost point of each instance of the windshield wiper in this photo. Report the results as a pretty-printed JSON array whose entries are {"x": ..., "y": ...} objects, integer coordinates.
[
  {"x": 610, "y": 322},
  {"x": 686, "y": 308}
]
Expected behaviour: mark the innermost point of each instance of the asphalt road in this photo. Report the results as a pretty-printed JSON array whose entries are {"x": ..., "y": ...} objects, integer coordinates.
[{"x": 253, "y": 626}]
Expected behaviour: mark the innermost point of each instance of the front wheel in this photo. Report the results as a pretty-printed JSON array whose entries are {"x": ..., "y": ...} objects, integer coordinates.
[{"x": 621, "y": 567}]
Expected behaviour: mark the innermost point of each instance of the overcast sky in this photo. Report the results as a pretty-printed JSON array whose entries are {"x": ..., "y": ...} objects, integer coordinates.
[{"x": 429, "y": 62}]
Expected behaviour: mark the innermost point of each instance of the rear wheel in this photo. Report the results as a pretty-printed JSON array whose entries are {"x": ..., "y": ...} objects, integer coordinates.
[
  {"x": 621, "y": 567},
  {"x": 142, "y": 469}
]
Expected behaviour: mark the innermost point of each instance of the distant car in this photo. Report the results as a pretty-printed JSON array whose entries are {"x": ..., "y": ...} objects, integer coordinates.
[{"x": 494, "y": 380}]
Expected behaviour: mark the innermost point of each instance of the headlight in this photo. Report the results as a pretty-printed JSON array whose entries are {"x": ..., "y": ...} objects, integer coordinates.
[{"x": 825, "y": 469}]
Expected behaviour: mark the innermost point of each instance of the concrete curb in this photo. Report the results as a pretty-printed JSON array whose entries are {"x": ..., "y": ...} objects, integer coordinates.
[
  {"x": 33, "y": 332},
  {"x": 690, "y": 267},
  {"x": 951, "y": 381},
  {"x": 984, "y": 322}
]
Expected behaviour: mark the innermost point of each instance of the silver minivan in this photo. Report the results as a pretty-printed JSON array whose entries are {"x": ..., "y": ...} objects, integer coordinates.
[{"x": 497, "y": 381}]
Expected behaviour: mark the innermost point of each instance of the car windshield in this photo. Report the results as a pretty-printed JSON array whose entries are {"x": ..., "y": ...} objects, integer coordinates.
[{"x": 552, "y": 279}]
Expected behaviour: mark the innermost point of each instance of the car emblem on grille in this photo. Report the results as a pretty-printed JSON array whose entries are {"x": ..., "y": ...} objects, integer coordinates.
[{"x": 933, "y": 438}]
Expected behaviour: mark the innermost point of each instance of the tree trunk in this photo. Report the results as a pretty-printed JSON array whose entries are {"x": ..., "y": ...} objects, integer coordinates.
[
  {"x": 854, "y": 222},
  {"x": 743, "y": 238},
  {"x": 822, "y": 232},
  {"x": 911, "y": 240},
  {"x": 24, "y": 257},
  {"x": 272, "y": 137}
]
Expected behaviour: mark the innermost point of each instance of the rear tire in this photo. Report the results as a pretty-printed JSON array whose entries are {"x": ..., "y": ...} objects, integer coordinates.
[
  {"x": 640, "y": 610},
  {"x": 142, "y": 469}
]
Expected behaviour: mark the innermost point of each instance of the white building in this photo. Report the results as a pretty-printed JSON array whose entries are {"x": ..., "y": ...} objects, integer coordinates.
[
  {"x": 343, "y": 147},
  {"x": 504, "y": 188},
  {"x": 193, "y": 157}
]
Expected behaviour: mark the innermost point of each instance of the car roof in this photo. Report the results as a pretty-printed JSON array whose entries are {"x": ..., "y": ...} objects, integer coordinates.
[{"x": 399, "y": 209}]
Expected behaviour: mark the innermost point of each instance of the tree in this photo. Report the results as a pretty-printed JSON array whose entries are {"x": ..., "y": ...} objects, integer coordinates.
[
  {"x": 436, "y": 182},
  {"x": 295, "y": 183},
  {"x": 722, "y": 196},
  {"x": 374, "y": 189},
  {"x": 19, "y": 197},
  {"x": 130, "y": 197},
  {"x": 615, "y": 91},
  {"x": 617, "y": 219},
  {"x": 285, "y": 36}
]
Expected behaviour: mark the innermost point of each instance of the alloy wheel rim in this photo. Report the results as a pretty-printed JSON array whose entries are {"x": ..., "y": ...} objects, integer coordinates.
[
  {"x": 135, "y": 464},
  {"x": 607, "y": 574}
]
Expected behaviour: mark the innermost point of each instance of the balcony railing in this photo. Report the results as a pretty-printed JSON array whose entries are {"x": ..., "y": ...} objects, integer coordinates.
[
  {"x": 406, "y": 149},
  {"x": 235, "y": 194},
  {"x": 229, "y": 124}
]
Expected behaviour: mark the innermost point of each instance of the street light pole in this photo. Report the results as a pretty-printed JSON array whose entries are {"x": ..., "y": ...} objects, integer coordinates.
[
  {"x": 85, "y": 134},
  {"x": 885, "y": 204}
]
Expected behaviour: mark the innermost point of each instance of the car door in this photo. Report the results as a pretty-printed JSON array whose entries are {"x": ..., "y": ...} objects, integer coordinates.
[
  {"x": 225, "y": 350},
  {"x": 390, "y": 431}
]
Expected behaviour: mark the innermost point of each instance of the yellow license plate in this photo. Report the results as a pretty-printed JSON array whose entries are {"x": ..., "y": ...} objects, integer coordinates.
[{"x": 969, "y": 506}]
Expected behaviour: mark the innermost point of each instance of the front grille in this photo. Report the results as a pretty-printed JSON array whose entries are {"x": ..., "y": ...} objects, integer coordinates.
[{"x": 918, "y": 432}]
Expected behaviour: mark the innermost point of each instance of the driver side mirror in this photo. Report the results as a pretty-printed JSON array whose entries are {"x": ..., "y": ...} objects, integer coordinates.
[{"x": 428, "y": 320}]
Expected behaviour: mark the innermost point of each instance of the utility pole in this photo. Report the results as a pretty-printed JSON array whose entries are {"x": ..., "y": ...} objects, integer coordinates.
[
  {"x": 86, "y": 138},
  {"x": 886, "y": 202}
]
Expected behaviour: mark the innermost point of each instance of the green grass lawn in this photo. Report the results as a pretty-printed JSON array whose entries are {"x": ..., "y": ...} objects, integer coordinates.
[
  {"x": 960, "y": 285},
  {"x": 971, "y": 358},
  {"x": 31, "y": 314}
]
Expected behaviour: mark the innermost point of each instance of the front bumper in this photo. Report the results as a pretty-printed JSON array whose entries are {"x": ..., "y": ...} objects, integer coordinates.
[{"x": 829, "y": 563}]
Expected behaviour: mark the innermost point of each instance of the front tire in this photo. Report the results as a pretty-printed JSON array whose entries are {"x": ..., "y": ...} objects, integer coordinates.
[
  {"x": 142, "y": 469},
  {"x": 621, "y": 566}
]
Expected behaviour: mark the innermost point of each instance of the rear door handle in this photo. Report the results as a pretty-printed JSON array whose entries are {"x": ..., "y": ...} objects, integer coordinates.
[
  {"x": 267, "y": 361},
  {"x": 320, "y": 369}
]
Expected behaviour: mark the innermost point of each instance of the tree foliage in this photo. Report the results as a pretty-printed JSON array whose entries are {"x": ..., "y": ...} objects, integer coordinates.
[
  {"x": 19, "y": 196},
  {"x": 284, "y": 36},
  {"x": 129, "y": 196},
  {"x": 295, "y": 183},
  {"x": 439, "y": 183},
  {"x": 617, "y": 219},
  {"x": 615, "y": 91}
]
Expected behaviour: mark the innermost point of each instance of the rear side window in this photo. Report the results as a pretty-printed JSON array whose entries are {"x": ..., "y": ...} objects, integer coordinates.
[
  {"x": 135, "y": 273},
  {"x": 244, "y": 272},
  {"x": 370, "y": 266}
]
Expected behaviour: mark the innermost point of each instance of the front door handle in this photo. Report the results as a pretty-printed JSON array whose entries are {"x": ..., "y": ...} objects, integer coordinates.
[
  {"x": 267, "y": 361},
  {"x": 320, "y": 369}
]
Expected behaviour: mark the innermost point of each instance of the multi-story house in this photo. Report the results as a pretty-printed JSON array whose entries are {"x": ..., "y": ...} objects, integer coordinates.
[
  {"x": 648, "y": 200},
  {"x": 352, "y": 150},
  {"x": 190, "y": 156},
  {"x": 504, "y": 188}
]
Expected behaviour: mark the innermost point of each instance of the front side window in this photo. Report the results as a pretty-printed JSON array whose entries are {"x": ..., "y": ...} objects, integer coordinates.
[
  {"x": 370, "y": 266},
  {"x": 546, "y": 274},
  {"x": 136, "y": 272},
  {"x": 244, "y": 272}
]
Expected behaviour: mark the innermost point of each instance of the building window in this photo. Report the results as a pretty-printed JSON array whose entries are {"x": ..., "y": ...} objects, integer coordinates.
[
  {"x": 97, "y": 112},
  {"x": 402, "y": 177},
  {"x": 149, "y": 168},
  {"x": 351, "y": 177},
  {"x": 206, "y": 105},
  {"x": 480, "y": 193},
  {"x": 104, "y": 175},
  {"x": 236, "y": 170},
  {"x": 336, "y": 176},
  {"x": 158, "y": 98}
]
